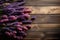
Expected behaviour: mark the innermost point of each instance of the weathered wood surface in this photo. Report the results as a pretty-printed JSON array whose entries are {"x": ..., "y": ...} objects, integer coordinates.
[
  {"x": 46, "y": 19},
  {"x": 42, "y": 2},
  {"x": 44, "y": 9},
  {"x": 45, "y": 27},
  {"x": 44, "y": 32}
]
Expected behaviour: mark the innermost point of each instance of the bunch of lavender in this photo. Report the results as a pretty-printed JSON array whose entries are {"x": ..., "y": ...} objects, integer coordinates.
[{"x": 14, "y": 20}]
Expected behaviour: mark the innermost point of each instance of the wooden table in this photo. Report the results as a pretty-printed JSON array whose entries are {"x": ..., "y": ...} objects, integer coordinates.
[{"x": 47, "y": 23}]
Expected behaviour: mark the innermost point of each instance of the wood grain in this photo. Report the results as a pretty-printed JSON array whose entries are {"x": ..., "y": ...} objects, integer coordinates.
[
  {"x": 44, "y": 11},
  {"x": 42, "y": 2},
  {"x": 46, "y": 19}
]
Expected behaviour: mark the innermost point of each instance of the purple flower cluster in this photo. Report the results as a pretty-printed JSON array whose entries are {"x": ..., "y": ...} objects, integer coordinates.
[{"x": 14, "y": 20}]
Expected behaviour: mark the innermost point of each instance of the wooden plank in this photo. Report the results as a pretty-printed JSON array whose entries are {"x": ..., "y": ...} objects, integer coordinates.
[
  {"x": 52, "y": 35},
  {"x": 37, "y": 27},
  {"x": 46, "y": 19},
  {"x": 52, "y": 39},
  {"x": 44, "y": 9},
  {"x": 32, "y": 39},
  {"x": 42, "y": 2}
]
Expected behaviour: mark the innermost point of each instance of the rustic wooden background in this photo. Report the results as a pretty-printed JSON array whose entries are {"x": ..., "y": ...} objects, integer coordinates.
[{"x": 47, "y": 23}]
